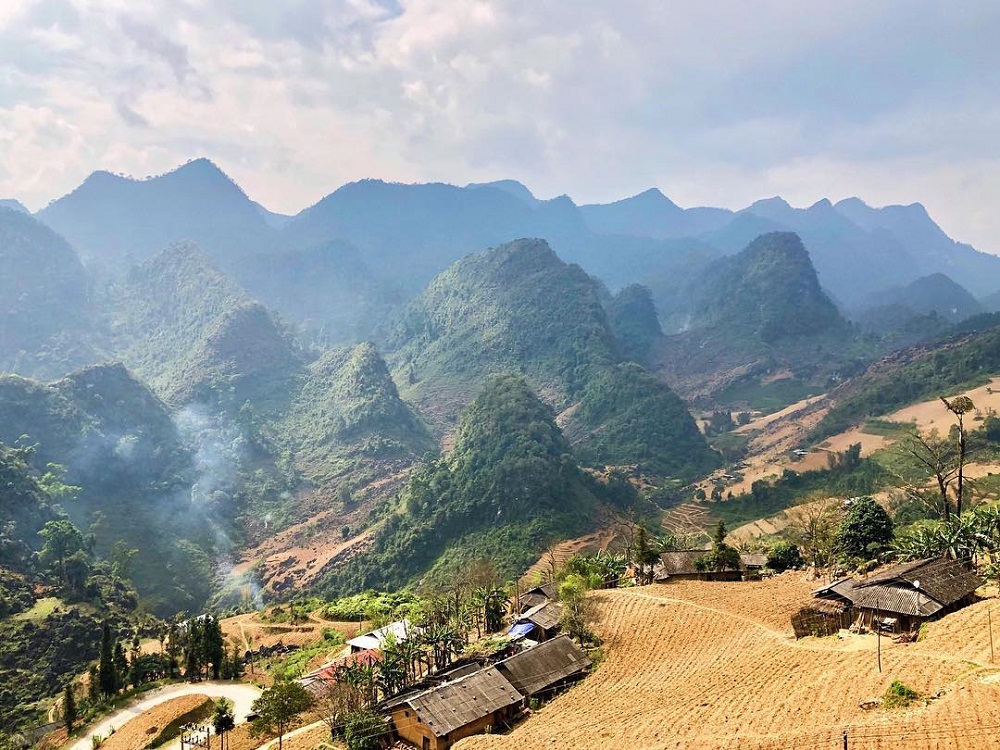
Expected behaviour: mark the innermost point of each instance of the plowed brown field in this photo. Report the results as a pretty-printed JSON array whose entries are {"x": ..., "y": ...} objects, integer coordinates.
[{"x": 714, "y": 665}]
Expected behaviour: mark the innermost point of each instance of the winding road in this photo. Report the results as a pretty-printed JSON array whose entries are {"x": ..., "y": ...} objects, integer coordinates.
[{"x": 240, "y": 694}]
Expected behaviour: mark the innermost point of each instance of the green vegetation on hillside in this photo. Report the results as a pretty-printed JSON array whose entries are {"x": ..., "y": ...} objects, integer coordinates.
[
  {"x": 634, "y": 418},
  {"x": 348, "y": 409},
  {"x": 769, "y": 291},
  {"x": 510, "y": 479},
  {"x": 517, "y": 308},
  {"x": 632, "y": 316},
  {"x": 194, "y": 334},
  {"x": 954, "y": 366}
]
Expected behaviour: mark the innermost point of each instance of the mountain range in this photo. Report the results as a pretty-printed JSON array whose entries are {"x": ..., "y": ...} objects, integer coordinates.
[
  {"x": 388, "y": 240},
  {"x": 210, "y": 373}
]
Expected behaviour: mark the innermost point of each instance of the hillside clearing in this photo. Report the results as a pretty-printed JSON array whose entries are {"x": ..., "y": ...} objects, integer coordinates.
[{"x": 713, "y": 665}]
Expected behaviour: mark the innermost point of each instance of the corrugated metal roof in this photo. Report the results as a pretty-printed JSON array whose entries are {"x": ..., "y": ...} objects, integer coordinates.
[
  {"x": 946, "y": 581},
  {"x": 546, "y": 616},
  {"x": 455, "y": 704},
  {"x": 544, "y": 665},
  {"x": 898, "y": 599},
  {"x": 401, "y": 630}
]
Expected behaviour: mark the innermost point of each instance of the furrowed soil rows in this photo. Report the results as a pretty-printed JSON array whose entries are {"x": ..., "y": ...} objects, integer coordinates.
[{"x": 713, "y": 665}]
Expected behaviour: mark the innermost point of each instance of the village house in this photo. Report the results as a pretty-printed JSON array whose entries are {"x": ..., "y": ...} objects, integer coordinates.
[
  {"x": 679, "y": 565},
  {"x": 539, "y": 623},
  {"x": 543, "y": 669},
  {"x": 902, "y": 597},
  {"x": 329, "y": 672},
  {"x": 896, "y": 600},
  {"x": 548, "y": 592},
  {"x": 437, "y": 718}
]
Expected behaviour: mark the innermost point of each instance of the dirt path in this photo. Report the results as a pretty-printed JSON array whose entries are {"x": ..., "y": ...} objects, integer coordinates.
[{"x": 240, "y": 694}]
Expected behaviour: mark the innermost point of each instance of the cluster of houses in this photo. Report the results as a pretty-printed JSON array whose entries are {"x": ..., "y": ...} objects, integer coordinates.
[
  {"x": 897, "y": 600},
  {"x": 474, "y": 696}
]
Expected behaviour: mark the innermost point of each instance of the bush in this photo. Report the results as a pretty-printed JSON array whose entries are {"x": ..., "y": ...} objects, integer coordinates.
[
  {"x": 784, "y": 556},
  {"x": 899, "y": 695},
  {"x": 364, "y": 730}
]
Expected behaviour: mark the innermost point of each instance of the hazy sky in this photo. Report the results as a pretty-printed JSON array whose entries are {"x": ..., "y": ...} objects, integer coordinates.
[{"x": 721, "y": 104}]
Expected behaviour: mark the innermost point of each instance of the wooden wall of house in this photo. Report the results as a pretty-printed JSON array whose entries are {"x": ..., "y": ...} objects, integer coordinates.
[{"x": 410, "y": 728}]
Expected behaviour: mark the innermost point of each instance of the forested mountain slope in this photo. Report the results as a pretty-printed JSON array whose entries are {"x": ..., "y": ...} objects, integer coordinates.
[{"x": 45, "y": 308}]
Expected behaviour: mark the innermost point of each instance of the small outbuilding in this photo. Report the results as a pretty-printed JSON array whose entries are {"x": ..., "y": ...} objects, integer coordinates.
[
  {"x": 437, "y": 718},
  {"x": 545, "y": 668},
  {"x": 539, "y": 623},
  {"x": 397, "y": 631}
]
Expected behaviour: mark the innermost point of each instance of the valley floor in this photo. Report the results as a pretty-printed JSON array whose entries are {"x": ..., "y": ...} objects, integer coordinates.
[{"x": 714, "y": 665}]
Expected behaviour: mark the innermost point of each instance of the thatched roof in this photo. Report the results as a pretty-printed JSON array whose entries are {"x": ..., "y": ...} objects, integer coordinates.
[
  {"x": 456, "y": 704},
  {"x": 826, "y": 606},
  {"x": 753, "y": 560},
  {"x": 538, "y": 668}
]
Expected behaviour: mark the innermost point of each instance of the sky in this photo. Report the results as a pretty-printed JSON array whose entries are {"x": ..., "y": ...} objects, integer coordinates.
[{"x": 717, "y": 103}]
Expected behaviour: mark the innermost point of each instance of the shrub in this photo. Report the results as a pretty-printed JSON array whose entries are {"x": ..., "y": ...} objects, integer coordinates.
[
  {"x": 784, "y": 556},
  {"x": 899, "y": 695}
]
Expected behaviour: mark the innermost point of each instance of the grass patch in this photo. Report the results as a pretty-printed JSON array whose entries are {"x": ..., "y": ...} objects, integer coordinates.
[
  {"x": 885, "y": 428},
  {"x": 767, "y": 398},
  {"x": 42, "y": 609},
  {"x": 899, "y": 695},
  {"x": 295, "y": 664}
]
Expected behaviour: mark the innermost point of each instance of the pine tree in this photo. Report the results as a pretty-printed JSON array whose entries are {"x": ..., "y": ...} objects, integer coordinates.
[
  {"x": 105, "y": 667},
  {"x": 120, "y": 663},
  {"x": 69, "y": 708}
]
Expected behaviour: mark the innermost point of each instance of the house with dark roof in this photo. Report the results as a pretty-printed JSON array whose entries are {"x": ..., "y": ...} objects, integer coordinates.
[
  {"x": 903, "y": 596},
  {"x": 539, "y": 623},
  {"x": 895, "y": 600},
  {"x": 548, "y": 592},
  {"x": 679, "y": 565},
  {"x": 545, "y": 668},
  {"x": 437, "y": 718}
]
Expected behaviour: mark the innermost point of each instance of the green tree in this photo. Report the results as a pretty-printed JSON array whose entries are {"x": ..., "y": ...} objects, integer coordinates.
[
  {"x": 279, "y": 706},
  {"x": 784, "y": 556},
  {"x": 105, "y": 666},
  {"x": 223, "y": 720},
  {"x": 69, "y": 708},
  {"x": 721, "y": 557},
  {"x": 865, "y": 530},
  {"x": 578, "y": 610},
  {"x": 62, "y": 539},
  {"x": 364, "y": 730},
  {"x": 644, "y": 554}
]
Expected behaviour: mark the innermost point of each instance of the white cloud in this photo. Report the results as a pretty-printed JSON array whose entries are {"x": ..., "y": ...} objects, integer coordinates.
[{"x": 719, "y": 103}]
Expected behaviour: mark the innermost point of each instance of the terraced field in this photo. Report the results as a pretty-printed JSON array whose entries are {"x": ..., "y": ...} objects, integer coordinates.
[{"x": 714, "y": 665}]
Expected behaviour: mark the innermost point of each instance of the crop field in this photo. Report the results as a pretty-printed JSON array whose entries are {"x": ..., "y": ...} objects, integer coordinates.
[
  {"x": 714, "y": 665},
  {"x": 148, "y": 728}
]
